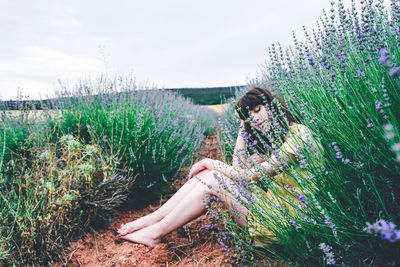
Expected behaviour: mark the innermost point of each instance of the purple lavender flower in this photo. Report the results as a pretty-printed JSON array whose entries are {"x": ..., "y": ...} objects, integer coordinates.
[
  {"x": 389, "y": 131},
  {"x": 384, "y": 59},
  {"x": 387, "y": 230},
  {"x": 208, "y": 227},
  {"x": 311, "y": 60},
  {"x": 394, "y": 72},
  {"x": 329, "y": 256},
  {"x": 303, "y": 200},
  {"x": 340, "y": 58},
  {"x": 332, "y": 75},
  {"x": 378, "y": 105},
  {"x": 151, "y": 184},
  {"x": 327, "y": 65},
  {"x": 328, "y": 222},
  {"x": 395, "y": 147},
  {"x": 292, "y": 222}
]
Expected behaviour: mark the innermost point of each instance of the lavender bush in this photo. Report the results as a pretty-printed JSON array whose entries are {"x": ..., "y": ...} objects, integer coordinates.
[
  {"x": 152, "y": 133},
  {"x": 93, "y": 147},
  {"x": 342, "y": 83}
]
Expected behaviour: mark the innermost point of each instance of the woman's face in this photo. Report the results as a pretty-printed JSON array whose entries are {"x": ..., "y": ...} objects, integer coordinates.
[{"x": 259, "y": 118}]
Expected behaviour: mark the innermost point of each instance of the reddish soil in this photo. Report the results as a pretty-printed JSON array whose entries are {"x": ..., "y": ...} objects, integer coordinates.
[{"x": 195, "y": 246}]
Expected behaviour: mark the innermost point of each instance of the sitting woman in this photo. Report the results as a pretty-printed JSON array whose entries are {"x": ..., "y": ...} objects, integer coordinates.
[{"x": 262, "y": 113}]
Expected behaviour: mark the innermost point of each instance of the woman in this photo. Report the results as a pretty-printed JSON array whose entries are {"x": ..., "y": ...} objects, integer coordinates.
[{"x": 267, "y": 124}]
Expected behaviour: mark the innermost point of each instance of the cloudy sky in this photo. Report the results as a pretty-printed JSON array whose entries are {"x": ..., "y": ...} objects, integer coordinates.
[{"x": 163, "y": 43}]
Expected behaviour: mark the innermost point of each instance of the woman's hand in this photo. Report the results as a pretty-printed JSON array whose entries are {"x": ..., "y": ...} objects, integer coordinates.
[{"x": 200, "y": 166}]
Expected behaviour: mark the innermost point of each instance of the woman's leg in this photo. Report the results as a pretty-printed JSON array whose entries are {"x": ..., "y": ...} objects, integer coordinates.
[
  {"x": 160, "y": 213},
  {"x": 192, "y": 206}
]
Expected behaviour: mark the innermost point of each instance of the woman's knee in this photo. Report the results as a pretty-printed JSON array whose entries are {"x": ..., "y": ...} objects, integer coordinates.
[
  {"x": 201, "y": 175},
  {"x": 214, "y": 180}
]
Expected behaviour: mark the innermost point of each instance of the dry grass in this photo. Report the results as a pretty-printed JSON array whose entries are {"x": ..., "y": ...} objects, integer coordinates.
[
  {"x": 218, "y": 108},
  {"x": 31, "y": 114}
]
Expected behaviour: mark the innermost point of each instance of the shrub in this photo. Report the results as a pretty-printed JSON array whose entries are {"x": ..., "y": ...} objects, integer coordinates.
[
  {"x": 71, "y": 168},
  {"x": 149, "y": 133},
  {"x": 342, "y": 83}
]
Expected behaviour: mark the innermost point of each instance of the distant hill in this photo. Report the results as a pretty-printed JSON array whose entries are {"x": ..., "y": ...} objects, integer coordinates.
[{"x": 208, "y": 95}]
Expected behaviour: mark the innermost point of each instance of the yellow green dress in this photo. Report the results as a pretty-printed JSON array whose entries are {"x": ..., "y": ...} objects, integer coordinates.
[{"x": 296, "y": 141}]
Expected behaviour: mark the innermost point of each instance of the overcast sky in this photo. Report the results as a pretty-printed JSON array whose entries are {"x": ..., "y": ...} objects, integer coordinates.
[{"x": 165, "y": 43}]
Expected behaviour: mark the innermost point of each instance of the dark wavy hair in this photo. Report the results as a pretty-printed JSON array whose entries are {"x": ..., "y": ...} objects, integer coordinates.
[{"x": 274, "y": 105}]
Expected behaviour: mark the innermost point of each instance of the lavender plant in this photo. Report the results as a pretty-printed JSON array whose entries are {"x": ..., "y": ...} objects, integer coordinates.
[
  {"x": 90, "y": 150},
  {"x": 151, "y": 133},
  {"x": 342, "y": 83}
]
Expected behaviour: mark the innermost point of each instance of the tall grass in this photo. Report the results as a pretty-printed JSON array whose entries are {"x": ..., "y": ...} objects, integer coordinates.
[
  {"x": 342, "y": 83},
  {"x": 103, "y": 143}
]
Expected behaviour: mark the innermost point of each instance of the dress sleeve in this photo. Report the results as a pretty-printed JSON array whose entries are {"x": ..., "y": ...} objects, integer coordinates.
[{"x": 299, "y": 138}]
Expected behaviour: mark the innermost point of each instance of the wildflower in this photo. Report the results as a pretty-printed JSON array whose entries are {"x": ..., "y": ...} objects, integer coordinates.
[
  {"x": 329, "y": 223},
  {"x": 329, "y": 256},
  {"x": 327, "y": 65},
  {"x": 384, "y": 59},
  {"x": 389, "y": 133},
  {"x": 394, "y": 72},
  {"x": 208, "y": 227},
  {"x": 311, "y": 60},
  {"x": 387, "y": 230},
  {"x": 369, "y": 125},
  {"x": 396, "y": 147},
  {"x": 292, "y": 222},
  {"x": 378, "y": 105},
  {"x": 332, "y": 75},
  {"x": 340, "y": 58},
  {"x": 104, "y": 139},
  {"x": 388, "y": 127},
  {"x": 360, "y": 73},
  {"x": 303, "y": 200},
  {"x": 151, "y": 184},
  {"x": 302, "y": 159}
]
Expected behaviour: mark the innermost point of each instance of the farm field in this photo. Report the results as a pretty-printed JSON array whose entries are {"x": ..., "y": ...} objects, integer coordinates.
[
  {"x": 326, "y": 192},
  {"x": 38, "y": 114}
]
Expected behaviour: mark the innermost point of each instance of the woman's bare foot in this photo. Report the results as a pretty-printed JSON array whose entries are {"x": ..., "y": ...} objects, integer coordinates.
[
  {"x": 136, "y": 225},
  {"x": 144, "y": 236}
]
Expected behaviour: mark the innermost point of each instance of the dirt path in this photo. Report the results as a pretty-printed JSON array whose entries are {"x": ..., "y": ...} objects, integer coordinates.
[{"x": 195, "y": 246}]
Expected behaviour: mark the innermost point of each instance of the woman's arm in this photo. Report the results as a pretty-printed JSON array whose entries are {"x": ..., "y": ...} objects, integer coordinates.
[
  {"x": 238, "y": 158},
  {"x": 268, "y": 167}
]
